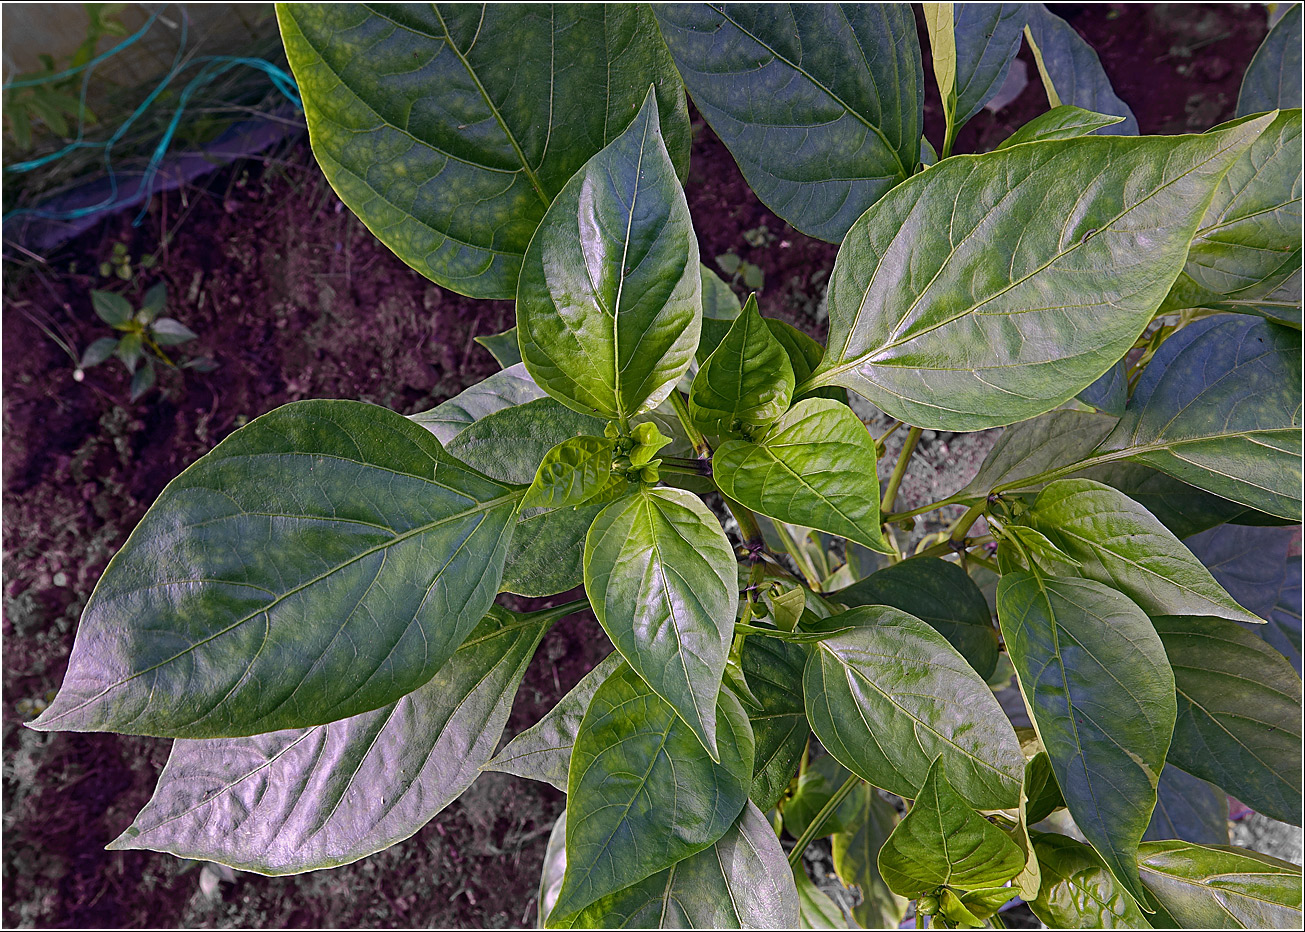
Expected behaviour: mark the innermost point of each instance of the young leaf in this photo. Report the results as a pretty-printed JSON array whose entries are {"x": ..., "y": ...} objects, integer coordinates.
[
  {"x": 609, "y": 302},
  {"x": 815, "y": 467},
  {"x": 856, "y": 860},
  {"x": 894, "y": 680},
  {"x": 571, "y": 473},
  {"x": 1272, "y": 80},
  {"x": 130, "y": 350},
  {"x": 1219, "y": 408},
  {"x": 1071, "y": 69},
  {"x": 509, "y": 445},
  {"x": 1078, "y": 890},
  {"x": 1063, "y": 122},
  {"x": 1098, "y": 686},
  {"x": 98, "y": 352},
  {"x": 450, "y": 128},
  {"x": 341, "y": 564},
  {"x": 1221, "y": 887},
  {"x": 662, "y": 580},
  {"x": 1043, "y": 791},
  {"x": 940, "y": 20},
  {"x": 113, "y": 309},
  {"x": 942, "y": 842},
  {"x": 987, "y": 40},
  {"x": 642, "y": 793},
  {"x": 512, "y": 386},
  {"x": 143, "y": 380},
  {"x": 939, "y": 593},
  {"x": 1188, "y": 808},
  {"x": 294, "y": 801},
  {"x": 1239, "y": 713},
  {"x": 746, "y": 383},
  {"x": 821, "y": 105},
  {"x": 153, "y": 302},
  {"x": 168, "y": 332},
  {"x": 543, "y": 751},
  {"x": 774, "y": 671},
  {"x": 1115, "y": 541},
  {"x": 503, "y": 347},
  {"x": 930, "y": 324}
]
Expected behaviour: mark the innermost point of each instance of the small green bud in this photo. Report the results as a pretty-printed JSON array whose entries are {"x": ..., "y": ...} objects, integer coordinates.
[
  {"x": 611, "y": 431},
  {"x": 928, "y": 905}
]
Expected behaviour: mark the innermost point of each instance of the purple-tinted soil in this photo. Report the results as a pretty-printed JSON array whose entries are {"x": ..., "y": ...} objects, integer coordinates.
[{"x": 295, "y": 299}]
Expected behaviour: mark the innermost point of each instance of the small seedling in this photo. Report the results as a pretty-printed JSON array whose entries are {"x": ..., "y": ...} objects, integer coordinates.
[{"x": 144, "y": 334}]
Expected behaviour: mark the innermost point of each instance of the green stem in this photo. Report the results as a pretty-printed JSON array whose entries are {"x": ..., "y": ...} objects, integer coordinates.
[
  {"x": 894, "y": 481},
  {"x": 984, "y": 562},
  {"x": 798, "y": 637},
  {"x": 795, "y": 856},
  {"x": 1061, "y": 472},
  {"x": 679, "y": 470},
  {"x": 879, "y": 441},
  {"x": 748, "y": 527},
  {"x": 966, "y": 521},
  {"x": 949, "y": 139},
  {"x": 950, "y": 546},
  {"x": 901, "y": 516},
  {"x": 700, "y": 445},
  {"x": 560, "y": 611},
  {"x": 798, "y": 554}
]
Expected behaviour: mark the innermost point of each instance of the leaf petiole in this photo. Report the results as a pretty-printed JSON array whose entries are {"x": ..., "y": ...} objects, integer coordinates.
[
  {"x": 827, "y": 810},
  {"x": 903, "y": 459}
]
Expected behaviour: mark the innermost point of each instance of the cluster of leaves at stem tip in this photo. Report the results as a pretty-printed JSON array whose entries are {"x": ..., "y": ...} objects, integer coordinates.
[{"x": 310, "y": 609}]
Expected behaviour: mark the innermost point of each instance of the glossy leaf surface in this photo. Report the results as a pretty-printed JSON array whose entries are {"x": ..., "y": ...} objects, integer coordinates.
[
  {"x": 342, "y": 563},
  {"x": 1073, "y": 68},
  {"x": 450, "y": 128},
  {"x": 1222, "y": 887},
  {"x": 779, "y": 728},
  {"x": 610, "y": 297},
  {"x": 547, "y": 552},
  {"x": 896, "y": 681},
  {"x": 1094, "y": 675},
  {"x": 512, "y": 386},
  {"x": 571, "y": 473},
  {"x": 1063, "y": 122},
  {"x": 821, "y": 105},
  {"x": 1272, "y": 80},
  {"x": 306, "y": 799},
  {"x": 509, "y": 445},
  {"x": 815, "y": 467},
  {"x": 1189, "y": 809},
  {"x": 1036, "y": 446},
  {"x": 503, "y": 347},
  {"x": 1239, "y": 713},
  {"x": 930, "y": 325},
  {"x": 642, "y": 792},
  {"x": 1108, "y": 394},
  {"x": 939, "y": 593},
  {"x": 661, "y": 577},
  {"x": 746, "y": 383},
  {"x": 815, "y": 909},
  {"x": 856, "y": 860},
  {"x": 1078, "y": 890},
  {"x": 1219, "y": 408}
]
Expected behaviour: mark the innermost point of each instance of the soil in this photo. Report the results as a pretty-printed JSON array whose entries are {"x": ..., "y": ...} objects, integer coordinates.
[{"x": 293, "y": 298}]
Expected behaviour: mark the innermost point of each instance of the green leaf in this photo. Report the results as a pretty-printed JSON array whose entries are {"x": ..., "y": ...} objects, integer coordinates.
[
  {"x": 322, "y": 561},
  {"x": 934, "y": 324},
  {"x": 1063, "y": 122},
  {"x": 1222, "y": 887},
  {"x": 143, "y": 380},
  {"x": 821, "y": 105},
  {"x": 1247, "y": 250},
  {"x": 815, "y": 909},
  {"x": 289, "y": 801},
  {"x": 450, "y": 128},
  {"x": 547, "y": 552},
  {"x": 939, "y": 593},
  {"x": 130, "y": 350},
  {"x": 550, "y": 878},
  {"x": 1036, "y": 446},
  {"x": 815, "y": 467},
  {"x": 662, "y": 580},
  {"x": 98, "y": 352},
  {"x": 942, "y": 842},
  {"x": 1219, "y": 408},
  {"x": 774, "y": 671},
  {"x": 571, "y": 473},
  {"x": 1188, "y": 808},
  {"x": 168, "y": 332},
  {"x": 512, "y": 386},
  {"x": 1183, "y": 509},
  {"x": 1108, "y": 394},
  {"x": 804, "y": 353},
  {"x": 1042, "y": 789},
  {"x": 154, "y": 301},
  {"x": 543, "y": 751},
  {"x": 1116, "y": 541},
  {"x": 894, "y": 680},
  {"x": 1096, "y": 682},
  {"x": 1239, "y": 713},
  {"x": 1272, "y": 80},
  {"x": 1037, "y": 773},
  {"x": 1070, "y": 64},
  {"x": 510, "y": 444},
  {"x": 1078, "y": 891},
  {"x": 746, "y": 383},
  {"x": 815, "y": 787},
  {"x": 987, "y": 40},
  {"x": 609, "y": 303},
  {"x": 113, "y": 309},
  {"x": 856, "y": 860},
  {"x": 941, "y": 23},
  {"x": 720, "y": 306},
  {"x": 503, "y": 347},
  {"x": 642, "y": 793}
]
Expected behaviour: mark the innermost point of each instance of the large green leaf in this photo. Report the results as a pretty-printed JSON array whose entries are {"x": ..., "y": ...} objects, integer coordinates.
[
  {"x": 642, "y": 793},
  {"x": 509, "y": 444},
  {"x": 774, "y": 672},
  {"x": 1078, "y": 891},
  {"x": 1114, "y": 540},
  {"x": 609, "y": 304},
  {"x": 543, "y": 751},
  {"x": 1032, "y": 447},
  {"x": 662, "y": 580},
  {"x": 1095, "y": 679},
  {"x": 1247, "y": 250},
  {"x": 938, "y": 325},
  {"x": 1072, "y": 68},
  {"x": 820, "y": 104},
  {"x": 939, "y": 593},
  {"x": 988, "y": 37},
  {"x": 1063, "y": 122},
  {"x": 323, "y": 561},
  {"x": 1219, "y": 407},
  {"x": 1239, "y": 713},
  {"x": 747, "y": 381},
  {"x": 890, "y": 695},
  {"x": 1188, "y": 808},
  {"x": 1222, "y": 887},
  {"x": 856, "y": 860},
  {"x": 1183, "y": 509},
  {"x": 942, "y": 842},
  {"x": 305, "y": 799},
  {"x": 740, "y": 882},
  {"x": 512, "y": 386},
  {"x": 450, "y": 128},
  {"x": 1272, "y": 80},
  {"x": 815, "y": 467}
]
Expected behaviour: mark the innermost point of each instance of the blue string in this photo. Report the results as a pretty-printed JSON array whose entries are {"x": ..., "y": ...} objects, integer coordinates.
[{"x": 213, "y": 67}]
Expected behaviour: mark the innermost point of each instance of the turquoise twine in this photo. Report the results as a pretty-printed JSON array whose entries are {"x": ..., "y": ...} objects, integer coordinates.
[{"x": 213, "y": 67}]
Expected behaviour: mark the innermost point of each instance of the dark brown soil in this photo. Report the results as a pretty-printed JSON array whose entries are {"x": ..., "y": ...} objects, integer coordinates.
[{"x": 295, "y": 299}]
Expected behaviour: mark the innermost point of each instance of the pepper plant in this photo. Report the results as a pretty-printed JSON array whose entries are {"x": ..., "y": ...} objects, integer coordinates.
[{"x": 310, "y": 609}]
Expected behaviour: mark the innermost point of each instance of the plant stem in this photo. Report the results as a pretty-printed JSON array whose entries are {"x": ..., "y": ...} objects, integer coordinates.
[
  {"x": 748, "y": 527},
  {"x": 949, "y": 139},
  {"x": 799, "y": 555},
  {"x": 983, "y": 562},
  {"x": 700, "y": 445},
  {"x": 901, "y": 516},
  {"x": 879, "y": 441},
  {"x": 680, "y": 470},
  {"x": 560, "y": 611},
  {"x": 795, "y": 856},
  {"x": 966, "y": 521},
  {"x": 894, "y": 481},
  {"x": 950, "y": 546}
]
